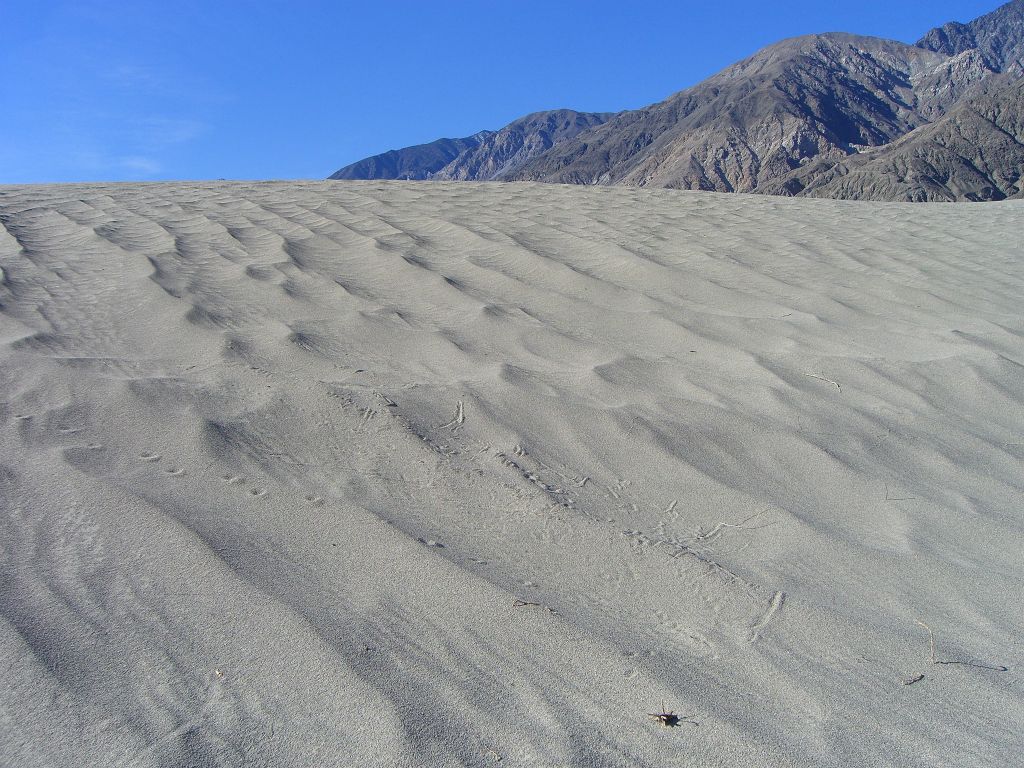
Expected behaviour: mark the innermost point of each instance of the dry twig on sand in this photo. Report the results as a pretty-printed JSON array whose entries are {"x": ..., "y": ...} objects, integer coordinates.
[
  {"x": 897, "y": 498},
  {"x": 459, "y": 420},
  {"x": 524, "y": 603},
  {"x": 742, "y": 524},
  {"x": 822, "y": 378},
  {"x": 931, "y": 646}
]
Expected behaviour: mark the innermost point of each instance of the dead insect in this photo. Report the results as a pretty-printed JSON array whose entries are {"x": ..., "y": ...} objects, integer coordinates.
[{"x": 667, "y": 719}]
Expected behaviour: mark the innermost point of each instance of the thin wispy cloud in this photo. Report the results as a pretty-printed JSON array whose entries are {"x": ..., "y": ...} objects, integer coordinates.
[
  {"x": 86, "y": 108},
  {"x": 158, "y": 131},
  {"x": 121, "y": 145},
  {"x": 132, "y": 77},
  {"x": 143, "y": 165}
]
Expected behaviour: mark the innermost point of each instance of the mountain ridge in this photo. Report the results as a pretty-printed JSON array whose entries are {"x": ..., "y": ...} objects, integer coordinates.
[
  {"x": 486, "y": 155},
  {"x": 813, "y": 104}
]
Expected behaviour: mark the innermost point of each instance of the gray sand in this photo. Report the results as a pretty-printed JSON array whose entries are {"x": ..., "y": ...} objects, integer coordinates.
[{"x": 398, "y": 474}]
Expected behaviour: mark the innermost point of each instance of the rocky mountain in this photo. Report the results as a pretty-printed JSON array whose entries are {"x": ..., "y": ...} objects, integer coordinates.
[
  {"x": 834, "y": 115},
  {"x": 417, "y": 162},
  {"x": 815, "y": 96},
  {"x": 982, "y": 56},
  {"x": 998, "y": 37},
  {"x": 975, "y": 153},
  {"x": 484, "y": 156}
]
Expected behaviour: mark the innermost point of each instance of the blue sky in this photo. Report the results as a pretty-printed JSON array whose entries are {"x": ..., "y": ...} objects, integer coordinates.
[{"x": 139, "y": 90}]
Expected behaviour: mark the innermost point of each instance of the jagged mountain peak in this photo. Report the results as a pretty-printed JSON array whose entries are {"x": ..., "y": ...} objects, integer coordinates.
[
  {"x": 998, "y": 35},
  {"x": 759, "y": 118}
]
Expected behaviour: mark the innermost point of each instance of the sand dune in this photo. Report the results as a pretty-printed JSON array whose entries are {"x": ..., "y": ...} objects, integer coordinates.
[{"x": 385, "y": 474}]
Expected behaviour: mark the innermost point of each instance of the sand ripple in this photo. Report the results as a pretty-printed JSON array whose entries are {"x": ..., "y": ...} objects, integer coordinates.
[{"x": 435, "y": 474}]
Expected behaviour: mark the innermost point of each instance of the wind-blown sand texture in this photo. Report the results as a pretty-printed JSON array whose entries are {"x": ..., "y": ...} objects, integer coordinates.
[{"x": 398, "y": 474}]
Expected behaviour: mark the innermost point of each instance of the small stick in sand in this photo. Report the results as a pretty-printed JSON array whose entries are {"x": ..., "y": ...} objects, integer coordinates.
[
  {"x": 458, "y": 421},
  {"x": 931, "y": 639},
  {"x": 897, "y": 498},
  {"x": 742, "y": 524},
  {"x": 822, "y": 378},
  {"x": 524, "y": 603},
  {"x": 386, "y": 400},
  {"x": 931, "y": 646}
]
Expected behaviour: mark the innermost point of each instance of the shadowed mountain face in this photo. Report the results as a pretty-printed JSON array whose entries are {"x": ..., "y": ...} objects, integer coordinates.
[
  {"x": 975, "y": 152},
  {"x": 418, "y": 162},
  {"x": 808, "y": 115},
  {"x": 502, "y": 152}
]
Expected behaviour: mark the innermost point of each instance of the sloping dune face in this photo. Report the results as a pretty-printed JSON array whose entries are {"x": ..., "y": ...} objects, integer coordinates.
[{"x": 397, "y": 474}]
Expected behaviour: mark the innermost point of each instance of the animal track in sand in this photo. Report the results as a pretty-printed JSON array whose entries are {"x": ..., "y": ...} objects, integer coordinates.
[
  {"x": 312, "y": 498},
  {"x": 149, "y": 456},
  {"x": 175, "y": 471},
  {"x": 256, "y": 493}
]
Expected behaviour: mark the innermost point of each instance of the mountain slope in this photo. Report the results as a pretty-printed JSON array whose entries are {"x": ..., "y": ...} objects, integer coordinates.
[
  {"x": 998, "y": 36},
  {"x": 417, "y": 162},
  {"x": 807, "y": 115},
  {"x": 819, "y": 95},
  {"x": 502, "y": 152},
  {"x": 484, "y": 156},
  {"x": 983, "y": 55},
  {"x": 976, "y": 153}
]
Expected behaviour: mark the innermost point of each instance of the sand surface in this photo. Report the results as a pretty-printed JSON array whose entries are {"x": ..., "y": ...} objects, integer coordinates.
[{"x": 399, "y": 474}]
